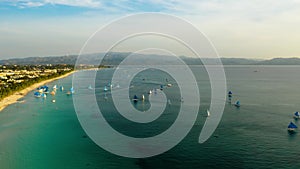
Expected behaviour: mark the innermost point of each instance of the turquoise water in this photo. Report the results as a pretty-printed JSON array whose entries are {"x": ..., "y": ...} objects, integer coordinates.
[{"x": 41, "y": 134}]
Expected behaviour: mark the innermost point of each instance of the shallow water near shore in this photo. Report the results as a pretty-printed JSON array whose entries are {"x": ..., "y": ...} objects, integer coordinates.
[{"x": 37, "y": 133}]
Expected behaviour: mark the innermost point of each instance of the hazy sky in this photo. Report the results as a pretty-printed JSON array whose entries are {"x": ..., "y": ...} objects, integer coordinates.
[{"x": 237, "y": 28}]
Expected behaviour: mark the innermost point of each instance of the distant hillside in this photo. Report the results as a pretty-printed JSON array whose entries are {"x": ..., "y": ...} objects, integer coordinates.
[
  {"x": 281, "y": 61},
  {"x": 41, "y": 60},
  {"x": 116, "y": 58}
]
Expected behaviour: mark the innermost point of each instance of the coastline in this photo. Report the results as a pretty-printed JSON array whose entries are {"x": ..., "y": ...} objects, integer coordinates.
[{"x": 19, "y": 94}]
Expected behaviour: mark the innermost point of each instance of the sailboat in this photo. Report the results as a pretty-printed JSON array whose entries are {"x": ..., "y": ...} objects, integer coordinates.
[
  {"x": 208, "y": 113},
  {"x": 143, "y": 97},
  {"x": 292, "y": 127},
  {"x": 72, "y": 90},
  {"x": 135, "y": 99},
  {"x": 229, "y": 94},
  {"x": 169, "y": 102},
  {"x": 43, "y": 95},
  {"x": 45, "y": 89},
  {"x": 237, "y": 104},
  {"x": 54, "y": 87},
  {"x": 297, "y": 115}
]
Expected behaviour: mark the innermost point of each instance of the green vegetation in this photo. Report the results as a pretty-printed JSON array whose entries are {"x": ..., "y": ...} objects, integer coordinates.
[{"x": 15, "y": 78}]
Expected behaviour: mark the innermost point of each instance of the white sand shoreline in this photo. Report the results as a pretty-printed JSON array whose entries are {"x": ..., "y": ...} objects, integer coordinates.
[{"x": 19, "y": 94}]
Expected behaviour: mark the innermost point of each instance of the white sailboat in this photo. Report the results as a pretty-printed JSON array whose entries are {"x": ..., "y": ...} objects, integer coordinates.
[
  {"x": 55, "y": 87},
  {"x": 143, "y": 97},
  {"x": 208, "y": 113},
  {"x": 169, "y": 102}
]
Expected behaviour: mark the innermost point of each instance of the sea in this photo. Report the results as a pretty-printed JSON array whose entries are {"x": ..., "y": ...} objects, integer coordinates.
[{"x": 36, "y": 133}]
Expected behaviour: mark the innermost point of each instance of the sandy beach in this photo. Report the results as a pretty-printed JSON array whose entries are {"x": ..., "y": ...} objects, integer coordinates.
[{"x": 17, "y": 95}]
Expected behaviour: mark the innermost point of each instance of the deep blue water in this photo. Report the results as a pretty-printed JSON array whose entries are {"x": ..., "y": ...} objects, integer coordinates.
[{"x": 41, "y": 134}]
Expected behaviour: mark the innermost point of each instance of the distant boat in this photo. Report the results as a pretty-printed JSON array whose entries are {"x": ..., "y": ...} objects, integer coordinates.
[
  {"x": 40, "y": 90},
  {"x": 43, "y": 95},
  {"x": 169, "y": 85},
  {"x": 68, "y": 93},
  {"x": 208, "y": 113},
  {"x": 53, "y": 100},
  {"x": 229, "y": 94},
  {"x": 72, "y": 90},
  {"x": 161, "y": 87},
  {"x": 135, "y": 98},
  {"x": 45, "y": 89},
  {"x": 105, "y": 96},
  {"x": 292, "y": 127},
  {"x": 54, "y": 87},
  {"x": 296, "y": 115},
  {"x": 52, "y": 93},
  {"x": 37, "y": 94},
  {"x": 105, "y": 89},
  {"x": 143, "y": 97},
  {"x": 150, "y": 92},
  {"x": 90, "y": 87},
  {"x": 169, "y": 102},
  {"x": 237, "y": 104},
  {"x": 61, "y": 88}
]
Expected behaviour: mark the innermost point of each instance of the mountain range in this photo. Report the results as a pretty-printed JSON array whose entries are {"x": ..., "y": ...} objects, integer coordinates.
[{"x": 116, "y": 58}]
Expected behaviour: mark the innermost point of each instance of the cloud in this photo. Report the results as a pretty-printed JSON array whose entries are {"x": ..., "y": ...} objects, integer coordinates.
[
  {"x": 39, "y": 3},
  {"x": 237, "y": 28}
]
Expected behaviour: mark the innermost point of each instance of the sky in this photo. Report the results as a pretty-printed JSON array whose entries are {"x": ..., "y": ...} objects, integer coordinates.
[{"x": 257, "y": 29}]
